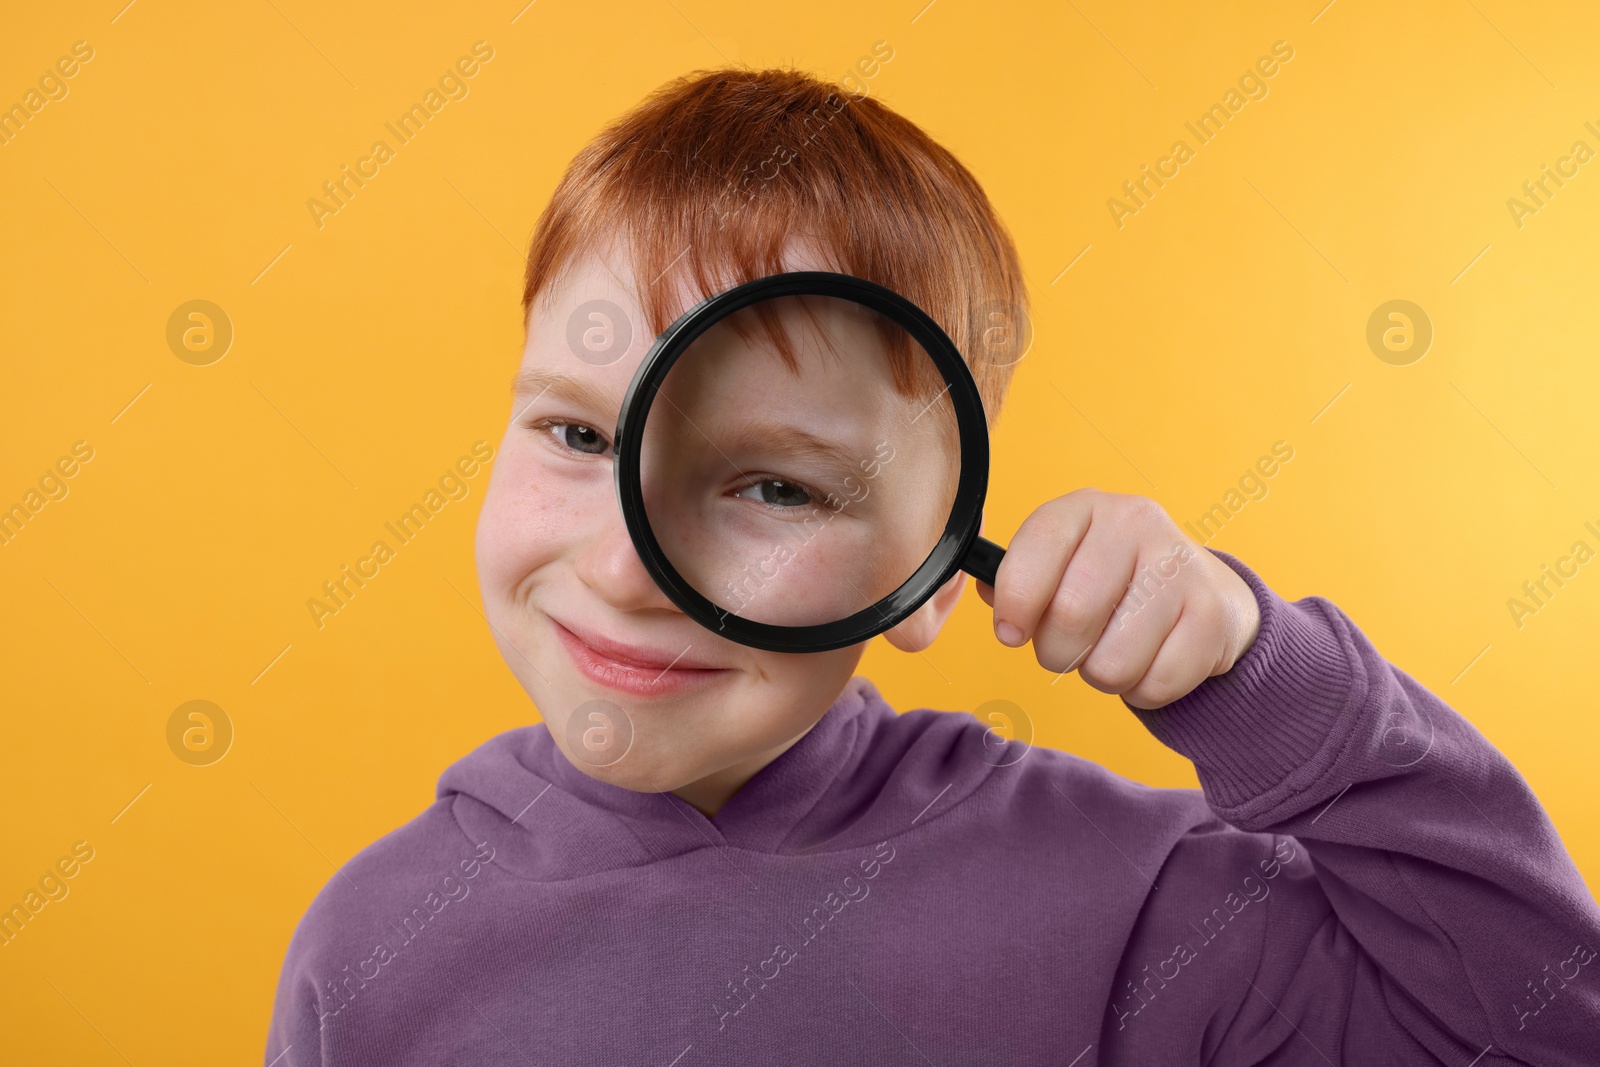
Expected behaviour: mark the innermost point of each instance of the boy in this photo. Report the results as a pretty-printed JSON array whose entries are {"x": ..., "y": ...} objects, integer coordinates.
[{"x": 708, "y": 853}]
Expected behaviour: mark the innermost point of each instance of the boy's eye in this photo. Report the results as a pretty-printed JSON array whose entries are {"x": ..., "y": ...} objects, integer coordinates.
[
  {"x": 776, "y": 492},
  {"x": 578, "y": 437}
]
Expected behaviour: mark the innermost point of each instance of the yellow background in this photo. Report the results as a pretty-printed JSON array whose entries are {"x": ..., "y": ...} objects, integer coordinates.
[{"x": 369, "y": 354}]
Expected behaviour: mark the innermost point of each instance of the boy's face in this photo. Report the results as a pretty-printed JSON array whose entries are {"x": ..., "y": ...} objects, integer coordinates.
[{"x": 563, "y": 586}]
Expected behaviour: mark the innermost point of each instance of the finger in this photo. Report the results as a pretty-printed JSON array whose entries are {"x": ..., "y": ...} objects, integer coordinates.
[
  {"x": 1035, "y": 560},
  {"x": 1095, "y": 582},
  {"x": 1185, "y": 660},
  {"x": 985, "y": 592},
  {"x": 1133, "y": 636}
]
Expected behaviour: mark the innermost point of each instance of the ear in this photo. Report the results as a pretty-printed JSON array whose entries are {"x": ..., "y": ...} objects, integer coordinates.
[{"x": 917, "y": 631}]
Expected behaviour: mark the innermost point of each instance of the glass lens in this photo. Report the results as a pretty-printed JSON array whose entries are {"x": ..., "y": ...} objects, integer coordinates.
[{"x": 800, "y": 460}]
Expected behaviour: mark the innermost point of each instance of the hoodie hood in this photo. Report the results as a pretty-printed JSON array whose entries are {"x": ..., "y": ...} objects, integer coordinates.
[{"x": 861, "y": 774}]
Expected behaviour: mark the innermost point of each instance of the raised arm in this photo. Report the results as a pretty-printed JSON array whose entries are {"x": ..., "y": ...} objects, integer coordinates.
[{"x": 1445, "y": 922}]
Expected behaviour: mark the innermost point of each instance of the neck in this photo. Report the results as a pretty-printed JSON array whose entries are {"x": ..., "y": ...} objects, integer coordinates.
[{"x": 707, "y": 795}]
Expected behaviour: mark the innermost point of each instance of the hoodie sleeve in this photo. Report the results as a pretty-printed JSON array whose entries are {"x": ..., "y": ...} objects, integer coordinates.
[
  {"x": 292, "y": 1040},
  {"x": 299, "y": 1011},
  {"x": 1446, "y": 923}
]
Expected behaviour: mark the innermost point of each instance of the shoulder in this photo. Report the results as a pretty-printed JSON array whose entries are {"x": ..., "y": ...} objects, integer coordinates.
[
  {"x": 998, "y": 775},
  {"x": 375, "y": 902},
  {"x": 360, "y": 922},
  {"x": 989, "y": 760}
]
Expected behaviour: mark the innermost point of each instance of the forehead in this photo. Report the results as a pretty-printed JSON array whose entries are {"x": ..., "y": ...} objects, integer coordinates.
[
  {"x": 586, "y": 337},
  {"x": 589, "y": 327}
]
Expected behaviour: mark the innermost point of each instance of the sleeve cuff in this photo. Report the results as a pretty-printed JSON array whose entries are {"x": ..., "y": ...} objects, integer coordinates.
[{"x": 1273, "y": 724}]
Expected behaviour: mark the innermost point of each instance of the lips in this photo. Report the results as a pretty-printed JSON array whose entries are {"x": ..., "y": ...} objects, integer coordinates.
[
  {"x": 636, "y": 655},
  {"x": 645, "y": 672}
]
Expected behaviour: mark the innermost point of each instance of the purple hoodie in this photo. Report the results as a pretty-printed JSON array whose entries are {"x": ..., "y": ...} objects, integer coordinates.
[{"x": 1364, "y": 880}]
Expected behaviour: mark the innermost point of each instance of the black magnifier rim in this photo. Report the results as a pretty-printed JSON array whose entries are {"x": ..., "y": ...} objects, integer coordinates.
[{"x": 971, "y": 488}]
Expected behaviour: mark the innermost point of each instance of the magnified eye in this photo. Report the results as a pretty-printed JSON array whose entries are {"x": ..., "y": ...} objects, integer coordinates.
[
  {"x": 578, "y": 437},
  {"x": 776, "y": 492}
]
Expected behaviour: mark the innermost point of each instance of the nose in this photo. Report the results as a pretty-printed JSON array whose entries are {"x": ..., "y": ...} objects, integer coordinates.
[{"x": 609, "y": 564}]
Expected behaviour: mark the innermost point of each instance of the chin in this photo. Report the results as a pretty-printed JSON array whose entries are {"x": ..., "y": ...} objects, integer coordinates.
[{"x": 636, "y": 770}]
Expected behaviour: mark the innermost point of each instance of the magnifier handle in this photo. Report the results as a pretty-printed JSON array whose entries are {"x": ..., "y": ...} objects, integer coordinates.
[{"x": 983, "y": 560}]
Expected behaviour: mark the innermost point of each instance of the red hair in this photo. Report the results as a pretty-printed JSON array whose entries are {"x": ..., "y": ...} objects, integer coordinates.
[{"x": 713, "y": 173}]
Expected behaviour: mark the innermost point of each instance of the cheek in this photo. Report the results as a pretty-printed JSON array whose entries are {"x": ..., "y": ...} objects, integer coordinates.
[
  {"x": 529, "y": 516},
  {"x": 798, "y": 687},
  {"x": 823, "y": 574},
  {"x": 842, "y": 558}
]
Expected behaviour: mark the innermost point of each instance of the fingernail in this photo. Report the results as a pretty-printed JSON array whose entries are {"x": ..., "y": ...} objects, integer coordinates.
[{"x": 1007, "y": 633}]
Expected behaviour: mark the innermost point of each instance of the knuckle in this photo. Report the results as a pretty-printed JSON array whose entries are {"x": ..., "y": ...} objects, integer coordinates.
[
  {"x": 1057, "y": 657},
  {"x": 1210, "y": 615},
  {"x": 1145, "y": 514},
  {"x": 1071, "y": 610},
  {"x": 1055, "y": 518},
  {"x": 1157, "y": 689},
  {"x": 1108, "y": 671}
]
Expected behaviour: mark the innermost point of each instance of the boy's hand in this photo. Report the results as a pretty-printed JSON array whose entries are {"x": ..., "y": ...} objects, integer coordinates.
[{"x": 1108, "y": 585}]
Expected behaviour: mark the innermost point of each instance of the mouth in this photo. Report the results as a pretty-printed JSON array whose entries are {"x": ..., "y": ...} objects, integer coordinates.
[{"x": 634, "y": 670}]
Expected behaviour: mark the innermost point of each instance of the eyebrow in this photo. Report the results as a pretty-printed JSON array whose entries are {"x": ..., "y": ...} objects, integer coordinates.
[
  {"x": 791, "y": 441},
  {"x": 534, "y": 382}
]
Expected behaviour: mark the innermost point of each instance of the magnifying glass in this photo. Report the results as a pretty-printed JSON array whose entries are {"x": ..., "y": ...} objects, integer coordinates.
[{"x": 802, "y": 461}]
